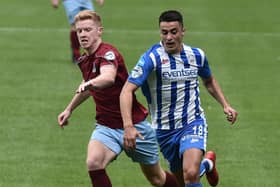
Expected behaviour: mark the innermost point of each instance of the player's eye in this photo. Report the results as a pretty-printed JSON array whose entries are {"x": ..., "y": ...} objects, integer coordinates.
[
  {"x": 174, "y": 31},
  {"x": 88, "y": 29},
  {"x": 164, "y": 32}
]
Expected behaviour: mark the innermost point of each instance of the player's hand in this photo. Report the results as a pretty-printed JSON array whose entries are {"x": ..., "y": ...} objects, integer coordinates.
[
  {"x": 63, "y": 118},
  {"x": 84, "y": 86},
  {"x": 231, "y": 114},
  {"x": 129, "y": 137}
]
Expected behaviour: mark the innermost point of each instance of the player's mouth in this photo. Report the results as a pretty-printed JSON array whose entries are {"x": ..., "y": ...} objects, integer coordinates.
[
  {"x": 170, "y": 47},
  {"x": 84, "y": 41},
  {"x": 170, "y": 44}
]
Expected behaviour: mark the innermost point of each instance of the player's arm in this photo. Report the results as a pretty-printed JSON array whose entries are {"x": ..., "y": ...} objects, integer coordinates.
[
  {"x": 126, "y": 102},
  {"x": 77, "y": 99},
  {"x": 215, "y": 90},
  {"x": 105, "y": 79}
]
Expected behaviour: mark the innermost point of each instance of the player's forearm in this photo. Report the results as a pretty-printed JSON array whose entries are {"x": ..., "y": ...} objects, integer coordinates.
[
  {"x": 77, "y": 100},
  {"x": 102, "y": 82},
  {"x": 215, "y": 90},
  {"x": 106, "y": 78},
  {"x": 126, "y": 108}
]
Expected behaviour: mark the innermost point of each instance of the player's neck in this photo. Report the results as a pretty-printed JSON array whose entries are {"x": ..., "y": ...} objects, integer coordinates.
[{"x": 96, "y": 45}]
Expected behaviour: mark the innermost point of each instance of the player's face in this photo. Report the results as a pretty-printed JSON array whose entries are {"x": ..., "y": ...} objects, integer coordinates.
[
  {"x": 89, "y": 34},
  {"x": 171, "y": 34}
]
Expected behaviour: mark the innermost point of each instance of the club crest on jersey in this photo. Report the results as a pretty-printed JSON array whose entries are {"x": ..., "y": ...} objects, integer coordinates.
[
  {"x": 191, "y": 59},
  {"x": 109, "y": 55},
  {"x": 164, "y": 61},
  {"x": 137, "y": 72}
]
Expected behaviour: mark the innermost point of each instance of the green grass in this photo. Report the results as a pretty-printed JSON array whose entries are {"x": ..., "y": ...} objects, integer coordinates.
[{"x": 37, "y": 79}]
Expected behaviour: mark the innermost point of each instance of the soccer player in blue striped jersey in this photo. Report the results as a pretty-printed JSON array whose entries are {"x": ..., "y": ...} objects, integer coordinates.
[{"x": 168, "y": 74}]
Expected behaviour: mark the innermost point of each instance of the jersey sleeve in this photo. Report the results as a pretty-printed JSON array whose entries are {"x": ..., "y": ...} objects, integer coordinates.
[
  {"x": 141, "y": 71},
  {"x": 204, "y": 71},
  {"x": 109, "y": 58}
]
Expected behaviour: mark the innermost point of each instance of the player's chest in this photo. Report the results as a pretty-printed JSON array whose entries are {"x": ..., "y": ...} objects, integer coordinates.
[
  {"x": 90, "y": 69},
  {"x": 177, "y": 69}
]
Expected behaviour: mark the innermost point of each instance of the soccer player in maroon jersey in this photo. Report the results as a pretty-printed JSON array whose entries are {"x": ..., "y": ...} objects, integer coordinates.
[
  {"x": 104, "y": 74},
  {"x": 72, "y": 8}
]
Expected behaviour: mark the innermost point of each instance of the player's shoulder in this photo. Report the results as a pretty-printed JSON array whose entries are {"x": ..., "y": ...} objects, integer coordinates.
[
  {"x": 104, "y": 47},
  {"x": 153, "y": 48},
  {"x": 154, "y": 51},
  {"x": 107, "y": 51},
  {"x": 194, "y": 50}
]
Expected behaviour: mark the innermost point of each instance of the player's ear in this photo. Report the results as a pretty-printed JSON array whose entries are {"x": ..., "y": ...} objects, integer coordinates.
[
  {"x": 100, "y": 30},
  {"x": 183, "y": 31}
]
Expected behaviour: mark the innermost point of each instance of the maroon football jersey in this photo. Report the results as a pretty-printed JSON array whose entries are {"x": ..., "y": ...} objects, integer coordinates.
[{"x": 107, "y": 100}]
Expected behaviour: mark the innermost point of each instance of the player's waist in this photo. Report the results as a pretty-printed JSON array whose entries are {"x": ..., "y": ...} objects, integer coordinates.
[{"x": 169, "y": 123}]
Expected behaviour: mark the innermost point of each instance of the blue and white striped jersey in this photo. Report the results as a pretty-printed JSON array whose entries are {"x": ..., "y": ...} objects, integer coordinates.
[{"x": 170, "y": 84}]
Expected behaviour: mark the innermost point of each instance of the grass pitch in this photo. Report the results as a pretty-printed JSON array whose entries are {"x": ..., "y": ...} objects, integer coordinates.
[{"x": 241, "y": 40}]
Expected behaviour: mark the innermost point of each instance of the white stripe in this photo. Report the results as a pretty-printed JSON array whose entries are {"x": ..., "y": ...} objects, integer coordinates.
[{"x": 133, "y": 31}]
